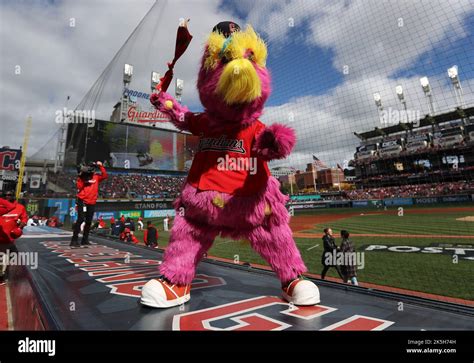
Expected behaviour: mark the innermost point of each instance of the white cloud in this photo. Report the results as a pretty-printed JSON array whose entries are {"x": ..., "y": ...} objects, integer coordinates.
[{"x": 58, "y": 60}]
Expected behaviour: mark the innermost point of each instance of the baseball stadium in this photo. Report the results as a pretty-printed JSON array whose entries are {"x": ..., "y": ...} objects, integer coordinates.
[{"x": 380, "y": 99}]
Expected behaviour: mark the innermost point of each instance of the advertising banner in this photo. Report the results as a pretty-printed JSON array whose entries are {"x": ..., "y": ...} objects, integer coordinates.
[
  {"x": 10, "y": 159},
  {"x": 360, "y": 203},
  {"x": 398, "y": 201},
  {"x": 159, "y": 213},
  {"x": 426, "y": 200},
  {"x": 130, "y": 213},
  {"x": 455, "y": 198},
  {"x": 105, "y": 215},
  {"x": 60, "y": 207}
]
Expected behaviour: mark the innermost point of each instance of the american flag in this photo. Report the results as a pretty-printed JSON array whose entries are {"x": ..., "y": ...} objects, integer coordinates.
[{"x": 318, "y": 163}]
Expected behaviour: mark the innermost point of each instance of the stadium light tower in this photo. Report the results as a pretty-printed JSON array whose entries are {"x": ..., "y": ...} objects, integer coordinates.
[
  {"x": 127, "y": 78},
  {"x": 378, "y": 103},
  {"x": 401, "y": 96},
  {"x": 179, "y": 89},
  {"x": 425, "y": 84},
  {"x": 155, "y": 80},
  {"x": 127, "y": 73},
  {"x": 453, "y": 74}
]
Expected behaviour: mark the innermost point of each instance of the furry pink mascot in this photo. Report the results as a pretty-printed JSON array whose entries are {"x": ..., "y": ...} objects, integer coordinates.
[{"x": 229, "y": 190}]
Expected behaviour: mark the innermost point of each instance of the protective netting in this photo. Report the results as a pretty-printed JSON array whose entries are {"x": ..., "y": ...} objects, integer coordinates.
[{"x": 390, "y": 152}]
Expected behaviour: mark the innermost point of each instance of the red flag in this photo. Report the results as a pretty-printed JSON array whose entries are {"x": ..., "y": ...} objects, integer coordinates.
[{"x": 183, "y": 38}]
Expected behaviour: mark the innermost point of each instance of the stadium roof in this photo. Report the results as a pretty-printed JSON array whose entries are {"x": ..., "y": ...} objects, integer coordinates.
[{"x": 426, "y": 121}]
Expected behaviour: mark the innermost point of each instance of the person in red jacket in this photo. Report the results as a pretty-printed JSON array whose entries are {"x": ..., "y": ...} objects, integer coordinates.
[
  {"x": 128, "y": 236},
  {"x": 13, "y": 218},
  {"x": 88, "y": 191},
  {"x": 102, "y": 223}
]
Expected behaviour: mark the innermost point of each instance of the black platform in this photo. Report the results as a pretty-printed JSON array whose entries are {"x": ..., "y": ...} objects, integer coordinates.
[{"x": 99, "y": 288}]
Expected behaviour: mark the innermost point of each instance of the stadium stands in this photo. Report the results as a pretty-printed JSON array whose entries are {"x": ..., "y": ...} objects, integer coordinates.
[
  {"x": 418, "y": 190},
  {"x": 126, "y": 185}
]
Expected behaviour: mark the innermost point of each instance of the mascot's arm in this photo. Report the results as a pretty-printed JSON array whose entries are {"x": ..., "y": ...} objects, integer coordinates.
[
  {"x": 179, "y": 115},
  {"x": 275, "y": 142}
]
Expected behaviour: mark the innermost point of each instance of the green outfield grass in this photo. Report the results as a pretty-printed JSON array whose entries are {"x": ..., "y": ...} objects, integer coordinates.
[
  {"x": 445, "y": 223},
  {"x": 424, "y": 272}
]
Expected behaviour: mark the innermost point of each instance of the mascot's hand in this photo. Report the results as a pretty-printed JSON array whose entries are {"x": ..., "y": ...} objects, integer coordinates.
[
  {"x": 166, "y": 104},
  {"x": 275, "y": 142},
  {"x": 162, "y": 101}
]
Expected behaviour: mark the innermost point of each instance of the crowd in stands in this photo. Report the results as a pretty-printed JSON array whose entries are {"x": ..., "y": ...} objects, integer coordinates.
[
  {"x": 413, "y": 190},
  {"x": 119, "y": 186},
  {"x": 126, "y": 186},
  {"x": 136, "y": 186}
]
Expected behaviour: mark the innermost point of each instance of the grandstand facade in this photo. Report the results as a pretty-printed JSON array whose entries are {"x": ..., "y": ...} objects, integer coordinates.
[{"x": 440, "y": 149}]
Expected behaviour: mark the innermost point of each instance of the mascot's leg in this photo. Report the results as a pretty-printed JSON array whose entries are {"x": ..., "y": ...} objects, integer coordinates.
[
  {"x": 276, "y": 245},
  {"x": 188, "y": 243}
]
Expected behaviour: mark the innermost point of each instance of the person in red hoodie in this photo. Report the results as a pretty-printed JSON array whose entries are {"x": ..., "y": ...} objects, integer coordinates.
[
  {"x": 128, "y": 236},
  {"x": 13, "y": 218},
  {"x": 88, "y": 191},
  {"x": 102, "y": 223}
]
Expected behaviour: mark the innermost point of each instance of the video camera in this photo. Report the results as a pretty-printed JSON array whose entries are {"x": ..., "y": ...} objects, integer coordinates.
[{"x": 86, "y": 168}]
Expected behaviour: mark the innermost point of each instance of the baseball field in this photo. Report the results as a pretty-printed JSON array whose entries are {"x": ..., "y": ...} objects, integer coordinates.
[{"x": 423, "y": 249}]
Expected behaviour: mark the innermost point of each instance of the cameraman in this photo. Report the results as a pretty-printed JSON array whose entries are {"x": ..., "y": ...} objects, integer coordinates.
[{"x": 88, "y": 190}]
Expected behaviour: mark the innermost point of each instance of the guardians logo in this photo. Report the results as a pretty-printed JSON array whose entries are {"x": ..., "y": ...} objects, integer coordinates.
[{"x": 221, "y": 144}]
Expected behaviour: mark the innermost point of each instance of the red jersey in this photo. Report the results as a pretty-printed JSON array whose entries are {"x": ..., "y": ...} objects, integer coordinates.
[
  {"x": 5, "y": 206},
  {"x": 9, "y": 230},
  {"x": 18, "y": 211},
  {"x": 89, "y": 189},
  {"x": 224, "y": 161}
]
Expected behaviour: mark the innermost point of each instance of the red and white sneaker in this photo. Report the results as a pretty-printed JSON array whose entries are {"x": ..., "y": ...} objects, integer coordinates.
[
  {"x": 159, "y": 293},
  {"x": 301, "y": 292}
]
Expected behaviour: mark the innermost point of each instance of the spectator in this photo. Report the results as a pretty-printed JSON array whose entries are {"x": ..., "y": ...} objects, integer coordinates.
[
  {"x": 31, "y": 222},
  {"x": 329, "y": 245},
  {"x": 166, "y": 222},
  {"x": 128, "y": 236},
  {"x": 101, "y": 224},
  {"x": 13, "y": 219},
  {"x": 150, "y": 235},
  {"x": 117, "y": 228},
  {"x": 349, "y": 272},
  {"x": 129, "y": 224},
  {"x": 112, "y": 222}
]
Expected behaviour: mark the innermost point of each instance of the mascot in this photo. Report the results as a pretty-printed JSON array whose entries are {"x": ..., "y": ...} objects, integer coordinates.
[{"x": 229, "y": 190}]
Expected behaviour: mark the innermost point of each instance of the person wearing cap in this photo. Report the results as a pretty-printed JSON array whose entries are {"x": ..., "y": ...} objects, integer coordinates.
[{"x": 88, "y": 190}]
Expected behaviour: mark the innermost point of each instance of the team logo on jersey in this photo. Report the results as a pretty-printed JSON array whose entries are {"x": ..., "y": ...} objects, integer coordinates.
[{"x": 221, "y": 144}]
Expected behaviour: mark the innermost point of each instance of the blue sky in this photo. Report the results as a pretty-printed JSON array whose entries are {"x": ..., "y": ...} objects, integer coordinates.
[{"x": 297, "y": 54}]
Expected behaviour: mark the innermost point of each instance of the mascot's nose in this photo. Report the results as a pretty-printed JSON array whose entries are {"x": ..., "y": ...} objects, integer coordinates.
[{"x": 226, "y": 28}]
